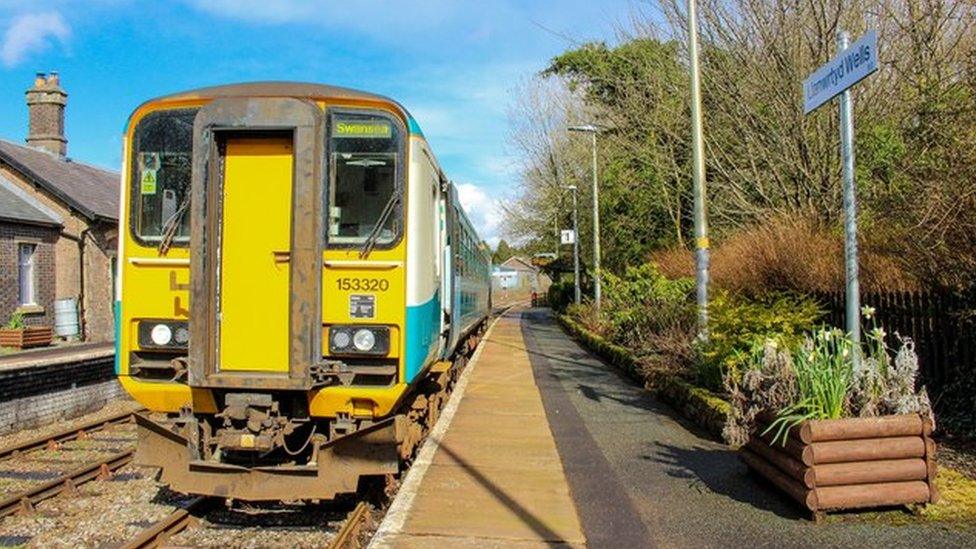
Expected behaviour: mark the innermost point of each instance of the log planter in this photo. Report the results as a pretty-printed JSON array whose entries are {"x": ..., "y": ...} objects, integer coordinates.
[
  {"x": 26, "y": 338},
  {"x": 851, "y": 463}
]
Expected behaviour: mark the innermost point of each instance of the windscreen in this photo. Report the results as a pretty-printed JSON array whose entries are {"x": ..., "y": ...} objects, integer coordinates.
[
  {"x": 364, "y": 152},
  {"x": 161, "y": 159}
]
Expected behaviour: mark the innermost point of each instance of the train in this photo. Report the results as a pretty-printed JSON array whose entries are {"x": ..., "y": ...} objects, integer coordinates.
[{"x": 297, "y": 288}]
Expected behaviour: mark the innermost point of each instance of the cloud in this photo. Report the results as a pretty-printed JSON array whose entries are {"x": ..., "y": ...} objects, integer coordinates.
[
  {"x": 32, "y": 33},
  {"x": 485, "y": 213}
]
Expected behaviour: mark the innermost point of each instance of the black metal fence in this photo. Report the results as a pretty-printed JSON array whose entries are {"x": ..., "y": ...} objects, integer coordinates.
[{"x": 941, "y": 325}]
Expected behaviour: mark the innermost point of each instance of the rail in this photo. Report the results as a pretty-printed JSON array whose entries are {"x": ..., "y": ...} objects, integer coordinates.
[
  {"x": 347, "y": 535},
  {"x": 162, "y": 530},
  {"x": 26, "y": 499},
  {"x": 75, "y": 433}
]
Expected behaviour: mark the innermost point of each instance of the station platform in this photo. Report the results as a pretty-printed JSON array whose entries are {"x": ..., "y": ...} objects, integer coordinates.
[
  {"x": 490, "y": 475},
  {"x": 62, "y": 354}
]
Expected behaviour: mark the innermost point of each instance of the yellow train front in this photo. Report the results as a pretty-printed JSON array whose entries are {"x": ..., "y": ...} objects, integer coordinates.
[{"x": 296, "y": 279}]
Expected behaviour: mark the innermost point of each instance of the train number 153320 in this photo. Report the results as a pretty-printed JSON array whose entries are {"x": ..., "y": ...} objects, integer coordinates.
[{"x": 363, "y": 284}]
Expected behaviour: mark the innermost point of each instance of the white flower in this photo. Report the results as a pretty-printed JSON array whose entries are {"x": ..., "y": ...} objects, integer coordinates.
[
  {"x": 879, "y": 333},
  {"x": 868, "y": 312}
]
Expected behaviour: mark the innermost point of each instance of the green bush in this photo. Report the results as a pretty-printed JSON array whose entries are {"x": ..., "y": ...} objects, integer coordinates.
[
  {"x": 561, "y": 295},
  {"x": 650, "y": 314},
  {"x": 16, "y": 321},
  {"x": 737, "y": 325}
]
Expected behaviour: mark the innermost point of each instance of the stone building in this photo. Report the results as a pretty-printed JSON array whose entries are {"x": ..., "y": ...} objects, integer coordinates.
[
  {"x": 58, "y": 222},
  {"x": 517, "y": 278}
]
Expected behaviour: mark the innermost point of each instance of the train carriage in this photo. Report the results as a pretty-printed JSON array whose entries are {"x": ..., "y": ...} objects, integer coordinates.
[{"x": 297, "y": 283}]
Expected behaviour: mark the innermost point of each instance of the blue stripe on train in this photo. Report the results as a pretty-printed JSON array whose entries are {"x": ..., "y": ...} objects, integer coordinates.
[
  {"x": 117, "y": 311},
  {"x": 423, "y": 325}
]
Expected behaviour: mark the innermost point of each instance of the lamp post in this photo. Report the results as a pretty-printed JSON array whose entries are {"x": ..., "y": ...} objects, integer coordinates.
[
  {"x": 593, "y": 130},
  {"x": 698, "y": 171},
  {"x": 576, "y": 279}
]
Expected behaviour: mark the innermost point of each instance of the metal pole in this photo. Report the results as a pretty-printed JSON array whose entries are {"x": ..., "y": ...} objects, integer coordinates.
[
  {"x": 698, "y": 186},
  {"x": 850, "y": 209},
  {"x": 596, "y": 233},
  {"x": 555, "y": 228},
  {"x": 576, "y": 247}
]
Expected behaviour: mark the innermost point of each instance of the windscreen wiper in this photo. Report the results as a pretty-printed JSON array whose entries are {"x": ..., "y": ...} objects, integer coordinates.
[
  {"x": 172, "y": 225},
  {"x": 378, "y": 228}
]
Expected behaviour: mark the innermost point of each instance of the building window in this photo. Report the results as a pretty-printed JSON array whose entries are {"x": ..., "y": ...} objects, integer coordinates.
[{"x": 25, "y": 273}]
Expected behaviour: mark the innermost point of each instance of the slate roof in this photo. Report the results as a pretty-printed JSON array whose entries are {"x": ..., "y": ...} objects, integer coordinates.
[
  {"x": 92, "y": 191},
  {"x": 18, "y": 206}
]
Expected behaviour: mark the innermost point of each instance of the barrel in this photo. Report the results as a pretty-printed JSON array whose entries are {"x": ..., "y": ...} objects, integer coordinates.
[{"x": 66, "y": 317}]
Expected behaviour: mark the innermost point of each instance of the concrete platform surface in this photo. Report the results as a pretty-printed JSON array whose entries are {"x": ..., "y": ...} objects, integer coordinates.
[
  {"x": 61, "y": 354},
  {"x": 495, "y": 479}
]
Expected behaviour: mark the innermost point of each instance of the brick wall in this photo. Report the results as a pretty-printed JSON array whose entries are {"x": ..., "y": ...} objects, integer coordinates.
[
  {"x": 100, "y": 247},
  {"x": 44, "y": 271},
  {"x": 28, "y": 412},
  {"x": 37, "y": 395}
]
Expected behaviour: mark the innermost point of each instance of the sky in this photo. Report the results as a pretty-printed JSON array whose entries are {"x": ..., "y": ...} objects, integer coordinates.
[{"x": 453, "y": 64}]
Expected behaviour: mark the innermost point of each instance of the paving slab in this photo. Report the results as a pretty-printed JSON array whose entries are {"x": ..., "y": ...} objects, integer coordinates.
[{"x": 495, "y": 479}]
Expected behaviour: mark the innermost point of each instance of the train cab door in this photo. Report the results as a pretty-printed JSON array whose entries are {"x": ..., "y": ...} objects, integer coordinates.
[
  {"x": 256, "y": 266},
  {"x": 255, "y": 245}
]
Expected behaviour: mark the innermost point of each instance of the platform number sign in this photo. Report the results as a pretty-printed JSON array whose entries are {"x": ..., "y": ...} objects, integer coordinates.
[{"x": 567, "y": 237}]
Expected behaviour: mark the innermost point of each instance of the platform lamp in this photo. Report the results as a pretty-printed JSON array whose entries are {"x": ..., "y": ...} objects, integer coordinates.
[
  {"x": 576, "y": 278},
  {"x": 593, "y": 130}
]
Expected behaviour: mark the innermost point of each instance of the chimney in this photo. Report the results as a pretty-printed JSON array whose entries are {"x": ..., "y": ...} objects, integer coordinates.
[{"x": 45, "y": 109}]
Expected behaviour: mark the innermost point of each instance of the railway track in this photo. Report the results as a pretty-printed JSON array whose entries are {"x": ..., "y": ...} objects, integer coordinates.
[
  {"x": 348, "y": 535},
  {"x": 158, "y": 533},
  {"x": 25, "y": 499},
  {"x": 183, "y": 518}
]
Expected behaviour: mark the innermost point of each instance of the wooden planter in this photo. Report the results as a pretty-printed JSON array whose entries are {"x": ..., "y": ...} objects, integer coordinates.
[
  {"x": 853, "y": 463},
  {"x": 25, "y": 338}
]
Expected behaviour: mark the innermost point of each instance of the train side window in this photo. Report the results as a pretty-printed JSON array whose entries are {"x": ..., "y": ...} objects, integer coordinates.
[
  {"x": 364, "y": 158},
  {"x": 160, "y": 177}
]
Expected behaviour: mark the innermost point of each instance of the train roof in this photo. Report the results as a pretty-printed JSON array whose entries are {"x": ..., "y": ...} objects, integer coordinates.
[{"x": 284, "y": 89}]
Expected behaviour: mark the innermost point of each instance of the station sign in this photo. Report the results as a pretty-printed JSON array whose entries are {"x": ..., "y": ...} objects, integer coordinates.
[
  {"x": 567, "y": 237},
  {"x": 850, "y": 66}
]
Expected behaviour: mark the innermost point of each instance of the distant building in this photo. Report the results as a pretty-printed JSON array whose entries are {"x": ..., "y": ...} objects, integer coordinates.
[
  {"x": 58, "y": 222},
  {"x": 517, "y": 278}
]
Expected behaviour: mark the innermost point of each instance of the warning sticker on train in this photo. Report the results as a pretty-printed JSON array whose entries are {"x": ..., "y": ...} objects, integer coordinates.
[{"x": 362, "y": 306}]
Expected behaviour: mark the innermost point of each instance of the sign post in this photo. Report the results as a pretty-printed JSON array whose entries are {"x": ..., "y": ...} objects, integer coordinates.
[
  {"x": 853, "y": 63},
  {"x": 569, "y": 237}
]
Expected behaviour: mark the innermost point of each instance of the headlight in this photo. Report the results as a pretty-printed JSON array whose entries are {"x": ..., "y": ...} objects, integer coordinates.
[
  {"x": 340, "y": 339},
  {"x": 163, "y": 334},
  {"x": 359, "y": 340},
  {"x": 364, "y": 340}
]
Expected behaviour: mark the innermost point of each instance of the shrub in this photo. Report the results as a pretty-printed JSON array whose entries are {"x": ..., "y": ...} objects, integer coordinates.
[
  {"x": 16, "y": 321},
  {"x": 788, "y": 253},
  {"x": 737, "y": 326},
  {"x": 561, "y": 294},
  {"x": 651, "y": 314},
  {"x": 819, "y": 379}
]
